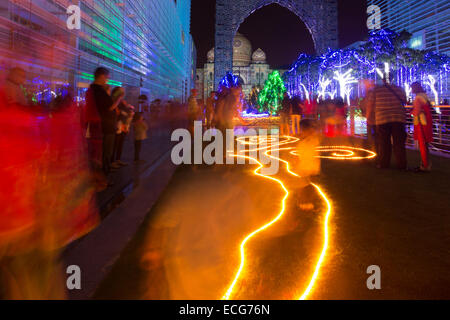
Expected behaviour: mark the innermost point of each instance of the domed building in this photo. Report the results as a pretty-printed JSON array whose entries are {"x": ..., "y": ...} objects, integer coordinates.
[{"x": 250, "y": 66}]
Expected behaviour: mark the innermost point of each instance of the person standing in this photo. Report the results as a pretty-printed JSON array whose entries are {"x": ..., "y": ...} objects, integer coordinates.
[
  {"x": 140, "y": 134},
  {"x": 284, "y": 114},
  {"x": 231, "y": 108},
  {"x": 124, "y": 116},
  {"x": 369, "y": 111},
  {"x": 193, "y": 110},
  {"x": 219, "y": 122},
  {"x": 13, "y": 87},
  {"x": 296, "y": 115},
  {"x": 106, "y": 109},
  {"x": 388, "y": 100},
  {"x": 423, "y": 125},
  {"x": 209, "y": 109},
  {"x": 340, "y": 112}
]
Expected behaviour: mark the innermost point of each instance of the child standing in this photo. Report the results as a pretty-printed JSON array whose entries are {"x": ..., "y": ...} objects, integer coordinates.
[
  {"x": 423, "y": 126},
  {"x": 140, "y": 134}
]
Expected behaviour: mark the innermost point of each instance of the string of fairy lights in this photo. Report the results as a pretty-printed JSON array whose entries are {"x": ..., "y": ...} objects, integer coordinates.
[{"x": 270, "y": 145}]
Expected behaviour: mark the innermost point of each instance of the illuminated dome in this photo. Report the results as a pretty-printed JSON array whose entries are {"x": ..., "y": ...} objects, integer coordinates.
[
  {"x": 259, "y": 56},
  {"x": 242, "y": 51},
  {"x": 210, "y": 56}
]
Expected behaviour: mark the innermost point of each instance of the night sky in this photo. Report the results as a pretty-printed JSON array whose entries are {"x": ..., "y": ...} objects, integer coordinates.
[{"x": 276, "y": 30}]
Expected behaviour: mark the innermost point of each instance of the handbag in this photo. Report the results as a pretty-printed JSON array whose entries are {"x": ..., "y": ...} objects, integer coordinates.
[
  {"x": 88, "y": 132},
  {"x": 403, "y": 102}
]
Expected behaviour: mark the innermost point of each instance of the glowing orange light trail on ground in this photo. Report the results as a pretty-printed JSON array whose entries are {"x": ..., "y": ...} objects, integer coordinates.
[
  {"x": 242, "y": 247},
  {"x": 325, "y": 227},
  {"x": 346, "y": 153},
  {"x": 325, "y": 244}
]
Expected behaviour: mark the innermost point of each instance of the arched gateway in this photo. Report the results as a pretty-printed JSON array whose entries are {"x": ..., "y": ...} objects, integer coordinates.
[{"x": 319, "y": 16}]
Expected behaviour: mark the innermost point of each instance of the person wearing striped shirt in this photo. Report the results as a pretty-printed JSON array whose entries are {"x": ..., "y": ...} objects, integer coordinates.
[{"x": 388, "y": 101}]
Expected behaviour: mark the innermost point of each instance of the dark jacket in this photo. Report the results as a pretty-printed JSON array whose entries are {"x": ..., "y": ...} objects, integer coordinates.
[
  {"x": 285, "y": 106},
  {"x": 98, "y": 97}
]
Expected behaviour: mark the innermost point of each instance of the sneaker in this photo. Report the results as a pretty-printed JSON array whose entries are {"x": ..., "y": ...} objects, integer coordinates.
[
  {"x": 115, "y": 165},
  {"x": 421, "y": 170}
]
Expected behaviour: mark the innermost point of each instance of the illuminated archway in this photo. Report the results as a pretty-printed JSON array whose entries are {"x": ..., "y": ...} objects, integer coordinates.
[{"x": 319, "y": 16}]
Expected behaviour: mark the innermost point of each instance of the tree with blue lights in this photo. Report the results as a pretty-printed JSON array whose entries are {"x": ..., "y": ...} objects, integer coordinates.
[
  {"x": 385, "y": 52},
  {"x": 228, "y": 81}
]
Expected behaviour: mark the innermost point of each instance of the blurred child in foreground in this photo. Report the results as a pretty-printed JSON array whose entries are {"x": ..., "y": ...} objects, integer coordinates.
[{"x": 308, "y": 164}]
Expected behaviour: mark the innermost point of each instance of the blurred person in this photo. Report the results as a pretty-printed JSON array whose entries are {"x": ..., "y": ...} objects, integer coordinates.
[
  {"x": 308, "y": 164},
  {"x": 219, "y": 122},
  {"x": 124, "y": 117},
  {"x": 232, "y": 104},
  {"x": 106, "y": 109},
  {"x": 322, "y": 113},
  {"x": 329, "y": 119},
  {"x": 310, "y": 107},
  {"x": 108, "y": 89},
  {"x": 142, "y": 103},
  {"x": 155, "y": 109},
  {"x": 423, "y": 125},
  {"x": 209, "y": 109},
  {"x": 368, "y": 110},
  {"x": 140, "y": 134},
  {"x": 296, "y": 114},
  {"x": 284, "y": 114},
  {"x": 229, "y": 109},
  {"x": 194, "y": 110},
  {"x": 48, "y": 199},
  {"x": 19, "y": 171},
  {"x": 94, "y": 140},
  {"x": 13, "y": 87},
  {"x": 172, "y": 113},
  {"x": 340, "y": 116},
  {"x": 389, "y": 100}
]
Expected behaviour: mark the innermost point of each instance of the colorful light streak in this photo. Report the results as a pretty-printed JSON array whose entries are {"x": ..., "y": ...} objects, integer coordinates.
[
  {"x": 315, "y": 275},
  {"x": 342, "y": 153},
  {"x": 339, "y": 153},
  {"x": 267, "y": 225},
  {"x": 255, "y": 141}
]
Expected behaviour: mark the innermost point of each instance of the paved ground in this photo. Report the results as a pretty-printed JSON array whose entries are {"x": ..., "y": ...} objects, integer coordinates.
[
  {"x": 123, "y": 207},
  {"x": 399, "y": 221},
  {"x": 153, "y": 148},
  {"x": 188, "y": 247}
]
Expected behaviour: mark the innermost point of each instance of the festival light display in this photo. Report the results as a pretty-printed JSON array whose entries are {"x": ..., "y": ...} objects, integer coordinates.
[
  {"x": 385, "y": 53},
  {"x": 323, "y": 85},
  {"x": 431, "y": 83},
  {"x": 272, "y": 94},
  {"x": 270, "y": 145},
  {"x": 306, "y": 92},
  {"x": 408, "y": 91},
  {"x": 228, "y": 81},
  {"x": 344, "y": 80}
]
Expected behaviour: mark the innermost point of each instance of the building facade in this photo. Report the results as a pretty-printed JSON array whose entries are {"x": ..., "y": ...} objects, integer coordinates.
[
  {"x": 146, "y": 44},
  {"x": 427, "y": 20},
  {"x": 250, "y": 66}
]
